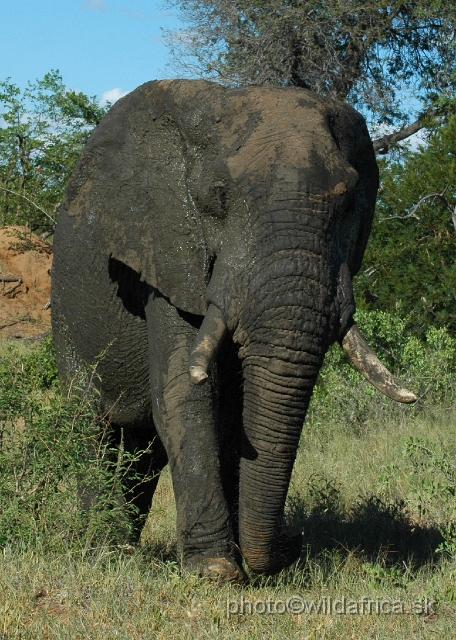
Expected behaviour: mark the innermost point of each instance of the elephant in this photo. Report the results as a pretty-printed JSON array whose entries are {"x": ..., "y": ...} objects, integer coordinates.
[{"x": 206, "y": 245}]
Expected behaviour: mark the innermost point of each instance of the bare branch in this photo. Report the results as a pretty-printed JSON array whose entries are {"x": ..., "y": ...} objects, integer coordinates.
[
  {"x": 409, "y": 215},
  {"x": 9, "y": 278},
  {"x": 441, "y": 196},
  {"x": 23, "y": 158},
  {"x": 13, "y": 288},
  {"x": 10, "y": 324},
  {"x": 20, "y": 195},
  {"x": 382, "y": 145},
  {"x": 429, "y": 196}
]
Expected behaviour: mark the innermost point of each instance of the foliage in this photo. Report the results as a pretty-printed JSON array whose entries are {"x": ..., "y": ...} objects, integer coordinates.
[
  {"x": 372, "y": 53},
  {"x": 435, "y": 489},
  {"x": 360, "y": 538},
  {"x": 42, "y": 131},
  {"x": 53, "y": 452},
  {"x": 409, "y": 267},
  {"x": 427, "y": 365}
]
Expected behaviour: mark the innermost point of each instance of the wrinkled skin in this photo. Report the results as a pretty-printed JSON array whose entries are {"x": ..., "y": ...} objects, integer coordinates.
[{"x": 258, "y": 201}]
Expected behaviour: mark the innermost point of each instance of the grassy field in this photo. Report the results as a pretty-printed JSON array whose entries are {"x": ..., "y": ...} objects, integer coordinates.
[{"x": 374, "y": 497}]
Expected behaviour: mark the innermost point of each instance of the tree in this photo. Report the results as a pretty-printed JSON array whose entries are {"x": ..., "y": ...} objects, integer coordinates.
[
  {"x": 43, "y": 131},
  {"x": 377, "y": 55},
  {"x": 409, "y": 266}
]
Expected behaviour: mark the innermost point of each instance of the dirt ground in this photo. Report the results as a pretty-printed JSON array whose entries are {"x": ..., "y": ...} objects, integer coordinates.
[{"x": 25, "y": 283}]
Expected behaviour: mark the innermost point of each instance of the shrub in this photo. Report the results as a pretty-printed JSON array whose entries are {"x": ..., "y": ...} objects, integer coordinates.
[
  {"x": 55, "y": 450},
  {"x": 434, "y": 491},
  {"x": 426, "y": 365}
]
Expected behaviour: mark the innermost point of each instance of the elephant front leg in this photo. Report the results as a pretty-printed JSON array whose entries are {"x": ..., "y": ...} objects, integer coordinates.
[{"x": 186, "y": 421}]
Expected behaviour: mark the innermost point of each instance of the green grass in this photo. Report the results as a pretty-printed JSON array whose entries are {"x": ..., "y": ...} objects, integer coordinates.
[{"x": 360, "y": 491}]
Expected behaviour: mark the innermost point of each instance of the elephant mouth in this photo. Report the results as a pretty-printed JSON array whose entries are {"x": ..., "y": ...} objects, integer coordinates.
[{"x": 355, "y": 346}]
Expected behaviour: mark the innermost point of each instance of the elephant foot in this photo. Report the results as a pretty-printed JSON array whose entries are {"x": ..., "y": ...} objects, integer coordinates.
[
  {"x": 219, "y": 570},
  {"x": 287, "y": 551}
]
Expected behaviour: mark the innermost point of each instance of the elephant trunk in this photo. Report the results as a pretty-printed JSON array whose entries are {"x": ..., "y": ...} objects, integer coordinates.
[
  {"x": 291, "y": 303},
  {"x": 276, "y": 397}
]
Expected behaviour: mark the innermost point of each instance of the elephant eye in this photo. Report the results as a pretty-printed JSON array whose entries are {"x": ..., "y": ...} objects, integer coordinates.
[
  {"x": 215, "y": 202},
  {"x": 221, "y": 200}
]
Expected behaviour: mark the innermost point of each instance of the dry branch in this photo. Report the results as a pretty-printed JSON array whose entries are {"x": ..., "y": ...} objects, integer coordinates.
[
  {"x": 10, "y": 278},
  {"x": 383, "y": 144},
  {"x": 21, "y": 195},
  {"x": 10, "y": 324},
  {"x": 429, "y": 196},
  {"x": 13, "y": 288}
]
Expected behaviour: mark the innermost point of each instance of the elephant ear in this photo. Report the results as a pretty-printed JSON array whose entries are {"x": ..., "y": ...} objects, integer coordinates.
[
  {"x": 128, "y": 196},
  {"x": 350, "y": 132}
]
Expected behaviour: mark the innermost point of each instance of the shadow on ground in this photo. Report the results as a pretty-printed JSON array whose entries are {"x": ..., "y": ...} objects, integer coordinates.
[{"x": 371, "y": 529}]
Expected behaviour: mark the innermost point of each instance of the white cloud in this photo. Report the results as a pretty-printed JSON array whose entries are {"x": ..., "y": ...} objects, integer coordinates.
[
  {"x": 131, "y": 13},
  {"x": 156, "y": 39},
  {"x": 112, "y": 95},
  {"x": 418, "y": 139},
  {"x": 96, "y": 5},
  {"x": 102, "y": 7}
]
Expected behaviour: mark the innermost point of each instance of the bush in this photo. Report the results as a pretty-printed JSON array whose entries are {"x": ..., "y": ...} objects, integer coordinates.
[
  {"x": 54, "y": 452},
  {"x": 425, "y": 365},
  {"x": 43, "y": 130},
  {"x": 434, "y": 493}
]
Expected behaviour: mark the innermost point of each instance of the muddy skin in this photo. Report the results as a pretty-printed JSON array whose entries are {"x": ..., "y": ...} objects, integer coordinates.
[{"x": 257, "y": 204}]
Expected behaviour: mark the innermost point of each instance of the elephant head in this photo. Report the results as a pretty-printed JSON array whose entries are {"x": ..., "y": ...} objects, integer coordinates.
[{"x": 251, "y": 207}]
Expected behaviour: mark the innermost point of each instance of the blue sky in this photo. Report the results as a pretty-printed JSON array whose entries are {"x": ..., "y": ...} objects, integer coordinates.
[
  {"x": 104, "y": 48},
  {"x": 101, "y": 47}
]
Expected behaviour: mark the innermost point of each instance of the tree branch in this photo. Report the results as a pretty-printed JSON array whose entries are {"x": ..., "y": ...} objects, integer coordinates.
[
  {"x": 441, "y": 196},
  {"x": 10, "y": 278},
  {"x": 10, "y": 324},
  {"x": 22, "y": 157},
  {"x": 382, "y": 145},
  {"x": 412, "y": 214},
  {"x": 31, "y": 202},
  {"x": 409, "y": 215}
]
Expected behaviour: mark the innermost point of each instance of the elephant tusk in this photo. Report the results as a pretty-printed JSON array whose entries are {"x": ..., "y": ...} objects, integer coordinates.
[
  {"x": 206, "y": 345},
  {"x": 366, "y": 362}
]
